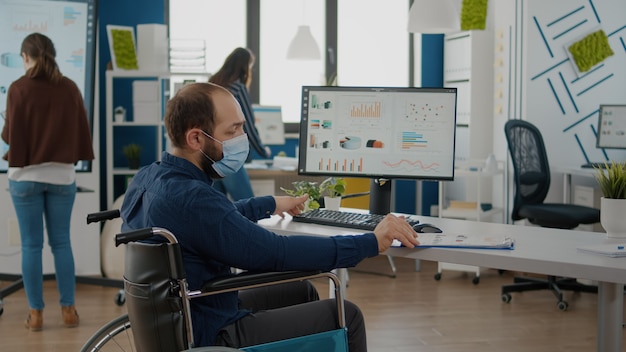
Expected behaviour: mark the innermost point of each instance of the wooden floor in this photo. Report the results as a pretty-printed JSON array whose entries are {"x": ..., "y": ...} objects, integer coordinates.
[{"x": 411, "y": 312}]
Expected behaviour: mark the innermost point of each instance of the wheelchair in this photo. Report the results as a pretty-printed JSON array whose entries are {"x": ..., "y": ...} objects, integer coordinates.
[{"x": 157, "y": 300}]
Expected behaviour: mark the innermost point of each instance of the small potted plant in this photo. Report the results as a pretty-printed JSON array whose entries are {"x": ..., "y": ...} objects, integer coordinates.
[
  {"x": 132, "y": 152},
  {"x": 306, "y": 187},
  {"x": 612, "y": 182},
  {"x": 333, "y": 188}
]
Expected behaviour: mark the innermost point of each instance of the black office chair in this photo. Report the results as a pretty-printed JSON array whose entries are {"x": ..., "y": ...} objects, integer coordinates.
[{"x": 532, "y": 182}]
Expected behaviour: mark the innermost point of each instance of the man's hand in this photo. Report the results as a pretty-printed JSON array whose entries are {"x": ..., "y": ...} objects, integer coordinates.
[
  {"x": 289, "y": 205},
  {"x": 395, "y": 227}
]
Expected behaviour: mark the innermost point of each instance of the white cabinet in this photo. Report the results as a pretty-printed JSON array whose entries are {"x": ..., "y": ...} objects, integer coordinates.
[{"x": 468, "y": 66}]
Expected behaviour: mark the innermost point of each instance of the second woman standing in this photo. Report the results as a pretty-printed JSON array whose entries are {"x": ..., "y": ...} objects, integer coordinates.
[{"x": 236, "y": 75}]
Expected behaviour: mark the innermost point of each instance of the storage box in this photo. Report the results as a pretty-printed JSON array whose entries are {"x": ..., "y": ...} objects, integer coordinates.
[
  {"x": 145, "y": 91},
  {"x": 583, "y": 195},
  {"x": 457, "y": 204},
  {"x": 146, "y": 112},
  {"x": 587, "y": 196},
  {"x": 152, "y": 47}
]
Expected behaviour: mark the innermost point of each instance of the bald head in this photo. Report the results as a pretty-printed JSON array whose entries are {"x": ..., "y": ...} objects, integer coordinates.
[{"x": 196, "y": 105}]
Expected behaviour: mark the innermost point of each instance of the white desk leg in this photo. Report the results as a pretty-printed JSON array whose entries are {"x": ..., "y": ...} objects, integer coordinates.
[
  {"x": 342, "y": 275},
  {"x": 418, "y": 265},
  {"x": 610, "y": 317}
]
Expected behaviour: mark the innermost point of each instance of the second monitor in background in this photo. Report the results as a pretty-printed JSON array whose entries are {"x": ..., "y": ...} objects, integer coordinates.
[
  {"x": 612, "y": 127},
  {"x": 611, "y": 134},
  {"x": 268, "y": 120}
]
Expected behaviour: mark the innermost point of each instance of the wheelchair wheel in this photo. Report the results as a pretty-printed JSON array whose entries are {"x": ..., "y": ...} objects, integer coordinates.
[{"x": 116, "y": 335}]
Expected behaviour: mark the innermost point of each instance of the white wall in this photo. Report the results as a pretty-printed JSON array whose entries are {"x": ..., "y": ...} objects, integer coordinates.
[{"x": 535, "y": 80}]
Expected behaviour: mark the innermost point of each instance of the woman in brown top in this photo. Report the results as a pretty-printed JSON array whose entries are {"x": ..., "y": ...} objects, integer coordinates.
[{"x": 47, "y": 132}]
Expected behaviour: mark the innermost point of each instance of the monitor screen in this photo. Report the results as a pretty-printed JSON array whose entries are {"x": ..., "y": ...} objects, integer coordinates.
[
  {"x": 268, "y": 121},
  {"x": 71, "y": 25},
  {"x": 378, "y": 132},
  {"x": 612, "y": 127},
  {"x": 382, "y": 133}
]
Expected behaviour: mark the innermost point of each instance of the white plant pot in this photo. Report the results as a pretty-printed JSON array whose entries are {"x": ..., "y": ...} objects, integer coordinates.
[
  {"x": 332, "y": 203},
  {"x": 613, "y": 217},
  {"x": 307, "y": 205}
]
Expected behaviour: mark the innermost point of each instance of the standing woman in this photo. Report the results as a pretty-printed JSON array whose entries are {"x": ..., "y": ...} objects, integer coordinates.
[
  {"x": 236, "y": 76},
  {"x": 47, "y": 132}
]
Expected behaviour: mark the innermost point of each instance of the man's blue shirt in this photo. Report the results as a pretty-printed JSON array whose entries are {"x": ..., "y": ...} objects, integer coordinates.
[{"x": 216, "y": 234}]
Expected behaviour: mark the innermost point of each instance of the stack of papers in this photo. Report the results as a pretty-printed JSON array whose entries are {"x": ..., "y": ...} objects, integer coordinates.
[
  {"x": 447, "y": 240},
  {"x": 609, "y": 250}
]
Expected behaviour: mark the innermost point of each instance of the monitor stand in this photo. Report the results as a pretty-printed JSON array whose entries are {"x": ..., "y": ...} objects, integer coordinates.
[{"x": 380, "y": 196}]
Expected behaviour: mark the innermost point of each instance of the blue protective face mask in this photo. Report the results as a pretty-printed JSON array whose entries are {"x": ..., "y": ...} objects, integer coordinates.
[{"x": 235, "y": 152}]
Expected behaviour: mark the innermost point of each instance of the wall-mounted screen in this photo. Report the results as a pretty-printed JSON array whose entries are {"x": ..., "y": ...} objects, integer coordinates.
[
  {"x": 71, "y": 25},
  {"x": 612, "y": 127}
]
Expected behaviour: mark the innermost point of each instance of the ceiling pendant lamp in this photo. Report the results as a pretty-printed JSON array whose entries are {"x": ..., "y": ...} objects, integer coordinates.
[
  {"x": 303, "y": 46},
  {"x": 433, "y": 17}
]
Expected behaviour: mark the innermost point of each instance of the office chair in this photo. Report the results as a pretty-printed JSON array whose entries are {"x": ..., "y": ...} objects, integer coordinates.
[{"x": 532, "y": 182}]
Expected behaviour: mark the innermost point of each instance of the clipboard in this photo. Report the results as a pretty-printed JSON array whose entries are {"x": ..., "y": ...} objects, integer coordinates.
[
  {"x": 449, "y": 240},
  {"x": 610, "y": 250}
]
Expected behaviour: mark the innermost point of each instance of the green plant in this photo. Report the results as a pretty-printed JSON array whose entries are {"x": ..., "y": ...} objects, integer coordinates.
[
  {"x": 124, "y": 49},
  {"x": 333, "y": 187},
  {"x": 473, "y": 14},
  {"x": 591, "y": 50},
  {"x": 132, "y": 152},
  {"x": 612, "y": 180},
  {"x": 306, "y": 187}
]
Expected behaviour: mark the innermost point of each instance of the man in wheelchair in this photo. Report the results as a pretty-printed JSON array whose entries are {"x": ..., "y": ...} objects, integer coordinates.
[{"x": 205, "y": 125}]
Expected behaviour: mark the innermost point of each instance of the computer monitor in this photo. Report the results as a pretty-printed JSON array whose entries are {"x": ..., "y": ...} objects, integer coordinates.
[
  {"x": 268, "y": 120},
  {"x": 611, "y": 127},
  {"x": 381, "y": 133},
  {"x": 71, "y": 25}
]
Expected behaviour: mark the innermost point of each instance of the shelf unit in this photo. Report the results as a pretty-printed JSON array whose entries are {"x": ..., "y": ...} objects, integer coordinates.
[
  {"x": 146, "y": 131},
  {"x": 481, "y": 181},
  {"x": 143, "y": 122}
]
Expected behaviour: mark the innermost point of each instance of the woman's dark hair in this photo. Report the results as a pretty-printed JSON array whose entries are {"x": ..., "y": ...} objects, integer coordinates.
[
  {"x": 235, "y": 67},
  {"x": 40, "y": 49}
]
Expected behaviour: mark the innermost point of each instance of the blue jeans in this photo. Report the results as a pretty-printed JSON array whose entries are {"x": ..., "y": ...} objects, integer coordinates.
[
  {"x": 236, "y": 185},
  {"x": 34, "y": 202}
]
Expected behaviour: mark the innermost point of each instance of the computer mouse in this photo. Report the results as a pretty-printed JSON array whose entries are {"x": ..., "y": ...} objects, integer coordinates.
[{"x": 426, "y": 228}]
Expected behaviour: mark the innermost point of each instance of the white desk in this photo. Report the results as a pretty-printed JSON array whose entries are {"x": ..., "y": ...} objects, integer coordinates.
[{"x": 538, "y": 250}]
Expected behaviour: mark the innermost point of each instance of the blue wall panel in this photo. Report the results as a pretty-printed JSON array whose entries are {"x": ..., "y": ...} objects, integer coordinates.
[{"x": 122, "y": 13}]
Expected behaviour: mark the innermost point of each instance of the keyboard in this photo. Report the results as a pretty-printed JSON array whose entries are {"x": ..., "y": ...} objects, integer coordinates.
[
  {"x": 599, "y": 165},
  {"x": 347, "y": 219}
]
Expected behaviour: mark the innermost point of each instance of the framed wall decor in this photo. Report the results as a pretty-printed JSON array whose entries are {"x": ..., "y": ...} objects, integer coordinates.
[{"x": 122, "y": 47}]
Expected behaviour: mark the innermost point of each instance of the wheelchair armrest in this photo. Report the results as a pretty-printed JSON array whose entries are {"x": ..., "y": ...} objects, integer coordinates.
[
  {"x": 252, "y": 279},
  {"x": 103, "y": 215}
]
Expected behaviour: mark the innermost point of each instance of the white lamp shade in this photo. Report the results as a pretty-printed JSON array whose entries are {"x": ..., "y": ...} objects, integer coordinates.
[
  {"x": 433, "y": 16},
  {"x": 303, "y": 46}
]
